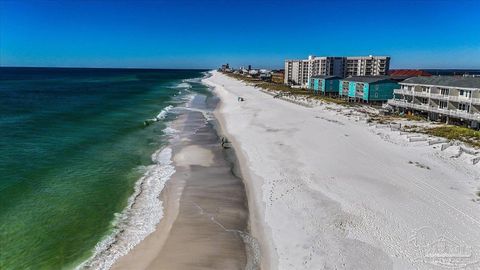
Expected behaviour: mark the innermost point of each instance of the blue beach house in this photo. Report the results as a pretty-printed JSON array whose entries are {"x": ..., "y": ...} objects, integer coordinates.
[
  {"x": 324, "y": 84},
  {"x": 367, "y": 88}
]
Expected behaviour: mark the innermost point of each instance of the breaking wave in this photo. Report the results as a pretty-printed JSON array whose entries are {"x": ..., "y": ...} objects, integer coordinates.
[
  {"x": 184, "y": 84},
  {"x": 143, "y": 212},
  {"x": 163, "y": 113}
]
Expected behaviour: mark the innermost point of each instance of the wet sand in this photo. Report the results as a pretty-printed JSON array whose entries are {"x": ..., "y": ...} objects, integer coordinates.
[{"x": 206, "y": 216}]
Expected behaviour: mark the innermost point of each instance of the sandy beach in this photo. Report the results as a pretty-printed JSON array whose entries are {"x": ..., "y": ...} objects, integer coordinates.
[
  {"x": 327, "y": 190},
  {"x": 205, "y": 206}
]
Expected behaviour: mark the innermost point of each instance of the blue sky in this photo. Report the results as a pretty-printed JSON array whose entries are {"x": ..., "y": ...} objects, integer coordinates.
[{"x": 207, "y": 33}]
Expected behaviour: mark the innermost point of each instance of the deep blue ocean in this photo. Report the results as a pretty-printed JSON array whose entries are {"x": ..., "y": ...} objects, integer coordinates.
[{"x": 73, "y": 143}]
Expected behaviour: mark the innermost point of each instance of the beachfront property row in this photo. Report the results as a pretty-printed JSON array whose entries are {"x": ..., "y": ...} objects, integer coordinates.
[
  {"x": 440, "y": 98},
  {"x": 297, "y": 72},
  {"x": 357, "y": 88}
]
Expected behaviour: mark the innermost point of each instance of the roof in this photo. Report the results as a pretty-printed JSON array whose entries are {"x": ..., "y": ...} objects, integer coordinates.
[
  {"x": 368, "y": 79},
  {"x": 326, "y": 77},
  {"x": 408, "y": 72},
  {"x": 462, "y": 82}
]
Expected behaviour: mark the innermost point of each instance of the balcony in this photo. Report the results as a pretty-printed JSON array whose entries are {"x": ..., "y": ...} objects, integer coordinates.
[
  {"x": 440, "y": 96},
  {"x": 422, "y": 94},
  {"x": 411, "y": 93},
  {"x": 422, "y": 107},
  {"x": 406, "y": 92}
]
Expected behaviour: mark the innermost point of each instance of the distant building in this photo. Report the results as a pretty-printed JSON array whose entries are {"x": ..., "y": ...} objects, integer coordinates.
[
  {"x": 278, "y": 76},
  {"x": 225, "y": 68},
  {"x": 440, "y": 98},
  {"x": 265, "y": 77},
  {"x": 297, "y": 72},
  {"x": 324, "y": 84},
  {"x": 254, "y": 72},
  {"x": 367, "y": 88}
]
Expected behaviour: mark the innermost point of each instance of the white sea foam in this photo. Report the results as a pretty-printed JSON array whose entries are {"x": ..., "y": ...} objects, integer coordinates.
[
  {"x": 183, "y": 84},
  {"x": 139, "y": 218},
  {"x": 170, "y": 131},
  {"x": 189, "y": 99},
  {"x": 208, "y": 115},
  {"x": 164, "y": 112}
]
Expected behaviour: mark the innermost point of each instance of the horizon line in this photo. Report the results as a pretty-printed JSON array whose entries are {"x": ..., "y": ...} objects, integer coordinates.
[
  {"x": 163, "y": 68},
  {"x": 80, "y": 67}
]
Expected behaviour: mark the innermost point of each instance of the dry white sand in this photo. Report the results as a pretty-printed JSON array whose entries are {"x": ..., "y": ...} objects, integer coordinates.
[{"x": 328, "y": 191}]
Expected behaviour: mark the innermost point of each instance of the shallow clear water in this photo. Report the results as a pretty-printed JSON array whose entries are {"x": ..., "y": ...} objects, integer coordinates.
[{"x": 72, "y": 145}]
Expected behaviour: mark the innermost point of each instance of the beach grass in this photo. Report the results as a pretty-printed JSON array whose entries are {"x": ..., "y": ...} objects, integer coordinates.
[
  {"x": 333, "y": 100},
  {"x": 462, "y": 134},
  {"x": 414, "y": 117}
]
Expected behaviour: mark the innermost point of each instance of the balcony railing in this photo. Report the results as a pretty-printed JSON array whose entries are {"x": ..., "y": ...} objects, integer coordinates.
[
  {"x": 437, "y": 96},
  {"x": 423, "y": 107},
  {"x": 440, "y": 96}
]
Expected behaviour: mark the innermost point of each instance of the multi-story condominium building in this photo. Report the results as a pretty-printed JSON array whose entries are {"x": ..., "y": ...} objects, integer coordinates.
[
  {"x": 331, "y": 66},
  {"x": 367, "y": 65},
  {"x": 440, "y": 97},
  {"x": 367, "y": 88},
  {"x": 297, "y": 72}
]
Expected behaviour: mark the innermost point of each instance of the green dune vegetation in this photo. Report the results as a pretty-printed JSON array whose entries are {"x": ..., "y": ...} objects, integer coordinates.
[{"x": 462, "y": 134}]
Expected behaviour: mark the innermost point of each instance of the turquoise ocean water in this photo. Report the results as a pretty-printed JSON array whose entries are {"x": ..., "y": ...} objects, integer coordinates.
[{"x": 73, "y": 144}]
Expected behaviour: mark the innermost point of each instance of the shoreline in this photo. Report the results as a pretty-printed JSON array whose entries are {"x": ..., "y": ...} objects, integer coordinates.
[
  {"x": 258, "y": 227},
  {"x": 185, "y": 203}
]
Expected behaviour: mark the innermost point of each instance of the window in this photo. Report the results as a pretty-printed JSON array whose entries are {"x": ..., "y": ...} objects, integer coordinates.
[
  {"x": 359, "y": 89},
  {"x": 444, "y": 91},
  {"x": 465, "y": 93},
  {"x": 463, "y": 107},
  {"x": 424, "y": 100},
  {"x": 442, "y": 105}
]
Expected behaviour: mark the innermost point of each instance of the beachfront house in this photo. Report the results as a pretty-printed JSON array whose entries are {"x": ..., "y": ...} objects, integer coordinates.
[
  {"x": 324, "y": 84},
  {"x": 367, "y": 88},
  {"x": 441, "y": 98}
]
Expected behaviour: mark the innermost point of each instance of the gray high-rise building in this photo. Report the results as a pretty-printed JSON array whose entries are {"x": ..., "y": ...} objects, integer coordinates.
[{"x": 297, "y": 72}]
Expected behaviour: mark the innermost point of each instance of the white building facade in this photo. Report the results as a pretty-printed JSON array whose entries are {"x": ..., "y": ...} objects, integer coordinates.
[{"x": 440, "y": 97}]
